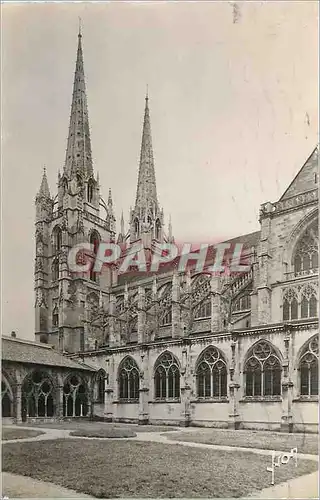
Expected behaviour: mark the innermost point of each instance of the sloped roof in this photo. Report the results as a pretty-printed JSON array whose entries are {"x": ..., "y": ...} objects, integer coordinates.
[
  {"x": 248, "y": 240},
  {"x": 24, "y": 351},
  {"x": 304, "y": 180}
]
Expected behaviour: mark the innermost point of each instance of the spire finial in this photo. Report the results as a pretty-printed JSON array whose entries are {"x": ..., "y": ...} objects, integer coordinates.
[
  {"x": 80, "y": 26},
  {"x": 147, "y": 92}
]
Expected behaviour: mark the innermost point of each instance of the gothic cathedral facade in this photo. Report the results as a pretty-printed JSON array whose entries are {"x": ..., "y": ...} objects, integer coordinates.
[{"x": 181, "y": 348}]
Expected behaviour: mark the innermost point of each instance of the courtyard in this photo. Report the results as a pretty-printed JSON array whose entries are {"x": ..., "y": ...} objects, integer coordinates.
[{"x": 121, "y": 460}]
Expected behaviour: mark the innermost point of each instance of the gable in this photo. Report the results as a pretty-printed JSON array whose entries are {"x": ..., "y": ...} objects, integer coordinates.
[{"x": 305, "y": 180}]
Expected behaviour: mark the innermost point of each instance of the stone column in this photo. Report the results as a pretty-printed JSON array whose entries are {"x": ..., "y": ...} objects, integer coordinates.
[
  {"x": 287, "y": 384},
  {"x": 108, "y": 407},
  {"x": 141, "y": 315},
  {"x": 59, "y": 402},
  {"x": 114, "y": 339},
  {"x": 264, "y": 289},
  {"x": 176, "y": 320},
  {"x": 144, "y": 388},
  {"x": 254, "y": 294},
  {"x": 215, "y": 304},
  {"x": 18, "y": 405},
  {"x": 234, "y": 385},
  {"x": 185, "y": 385}
]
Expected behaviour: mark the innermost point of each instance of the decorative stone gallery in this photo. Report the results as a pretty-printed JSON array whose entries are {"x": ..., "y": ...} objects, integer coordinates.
[{"x": 170, "y": 347}]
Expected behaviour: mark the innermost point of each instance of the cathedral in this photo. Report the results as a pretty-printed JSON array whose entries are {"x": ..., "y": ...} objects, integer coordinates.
[{"x": 178, "y": 348}]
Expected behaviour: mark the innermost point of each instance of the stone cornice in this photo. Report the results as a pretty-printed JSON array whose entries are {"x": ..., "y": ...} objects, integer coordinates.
[{"x": 303, "y": 324}]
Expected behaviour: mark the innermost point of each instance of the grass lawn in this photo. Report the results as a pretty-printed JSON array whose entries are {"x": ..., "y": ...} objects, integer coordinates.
[
  {"x": 306, "y": 443},
  {"x": 16, "y": 433},
  {"x": 82, "y": 424},
  {"x": 138, "y": 469},
  {"x": 105, "y": 433}
]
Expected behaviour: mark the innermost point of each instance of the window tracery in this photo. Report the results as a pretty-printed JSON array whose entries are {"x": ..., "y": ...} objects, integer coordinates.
[
  {"x": 305, "y": 259},
  {"x": 290, "y": 304},
  {"x": 308, "y": 368},
  {"x": 57, "y": 239},
  {"x": 129, "y": 376},
  {"x": 211, "y": 374},
  {"x": 100, "y": 387},
  {"x": 166, "y": 377},
  {"x": 203, "y": 310},
  {"x": 75, "y": 397},
  {"x": 262, "y": 371},
  {"x": 38, "y": 395},
  {"x": 300, "y": 302},
  {"x": 242, "y": 303}
]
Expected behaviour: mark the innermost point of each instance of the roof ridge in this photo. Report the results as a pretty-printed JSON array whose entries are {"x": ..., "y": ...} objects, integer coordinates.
[{"x": 26, "y": 341}]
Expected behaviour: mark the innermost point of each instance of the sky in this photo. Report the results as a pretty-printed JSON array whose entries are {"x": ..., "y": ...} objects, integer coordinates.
[{"x": 233, "y": 95}]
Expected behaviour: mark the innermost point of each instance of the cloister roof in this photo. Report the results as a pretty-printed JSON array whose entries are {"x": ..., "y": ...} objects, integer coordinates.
[{"x": 24, "y": 351}]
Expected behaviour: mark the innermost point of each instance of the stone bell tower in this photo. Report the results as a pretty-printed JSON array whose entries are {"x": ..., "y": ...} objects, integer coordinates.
[{"x": 75, "y": 215}]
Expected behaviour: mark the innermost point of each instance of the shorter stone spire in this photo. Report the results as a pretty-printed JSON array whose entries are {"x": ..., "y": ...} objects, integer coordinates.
[{"x": 44, "y": 191}]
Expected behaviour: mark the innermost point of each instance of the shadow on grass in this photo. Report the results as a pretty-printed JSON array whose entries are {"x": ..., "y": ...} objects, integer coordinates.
[{"x": 126, "y": 469}]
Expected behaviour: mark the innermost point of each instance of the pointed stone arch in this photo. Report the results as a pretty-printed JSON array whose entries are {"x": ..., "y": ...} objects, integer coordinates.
[
  {"x": 262, "y": 369},
  {"x": 166, "y": 375},
  {"x": 76, "y": 396},
  {"x": 211, "y": 374},
  {"x": 128, "y": 380},
  {"x": 38, "y": 395},
  {"x": 307, "y": 364},
  {"x": 6, "y": 396},
  {"x": 56, "y": 238},
  {"x": 293, "y": 239}
]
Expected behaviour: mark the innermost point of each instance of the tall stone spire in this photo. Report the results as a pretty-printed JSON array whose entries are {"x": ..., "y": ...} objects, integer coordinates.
[
  {"x": 146, "y": 197},
  {"x": 78, "y": 154}
]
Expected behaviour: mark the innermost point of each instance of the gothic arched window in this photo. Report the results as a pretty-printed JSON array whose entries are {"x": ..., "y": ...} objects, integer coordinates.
[
  {"x": 57, "y": 239},
  {"x": 165, "y": 304},
  {"x": 95, "y": 241},
  {"x": 55, "y": 317},
  {"x": 129, "y": 380},
  {"x": 211, "y": 374},
  {"x": 75, "y": 397},
  {"x": 262, "y": 371},
  {"x": 166, "y": 377},
  {"x": 308, "y": 368},
  {"x": 203, "y": 310},
  {"x": 305, "y": 258},
  {"x": 309, "y": 302},
  {"x": 55, "y": 269},
  {"x": 38, "y": 395},
  {"x": 166, "y": 318},
  {"x": 100, "y": 387},
  {"x": 242, "y": 303},
  {"x": 290, "y": 304},
  {"x": 90, "y": 191}
]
